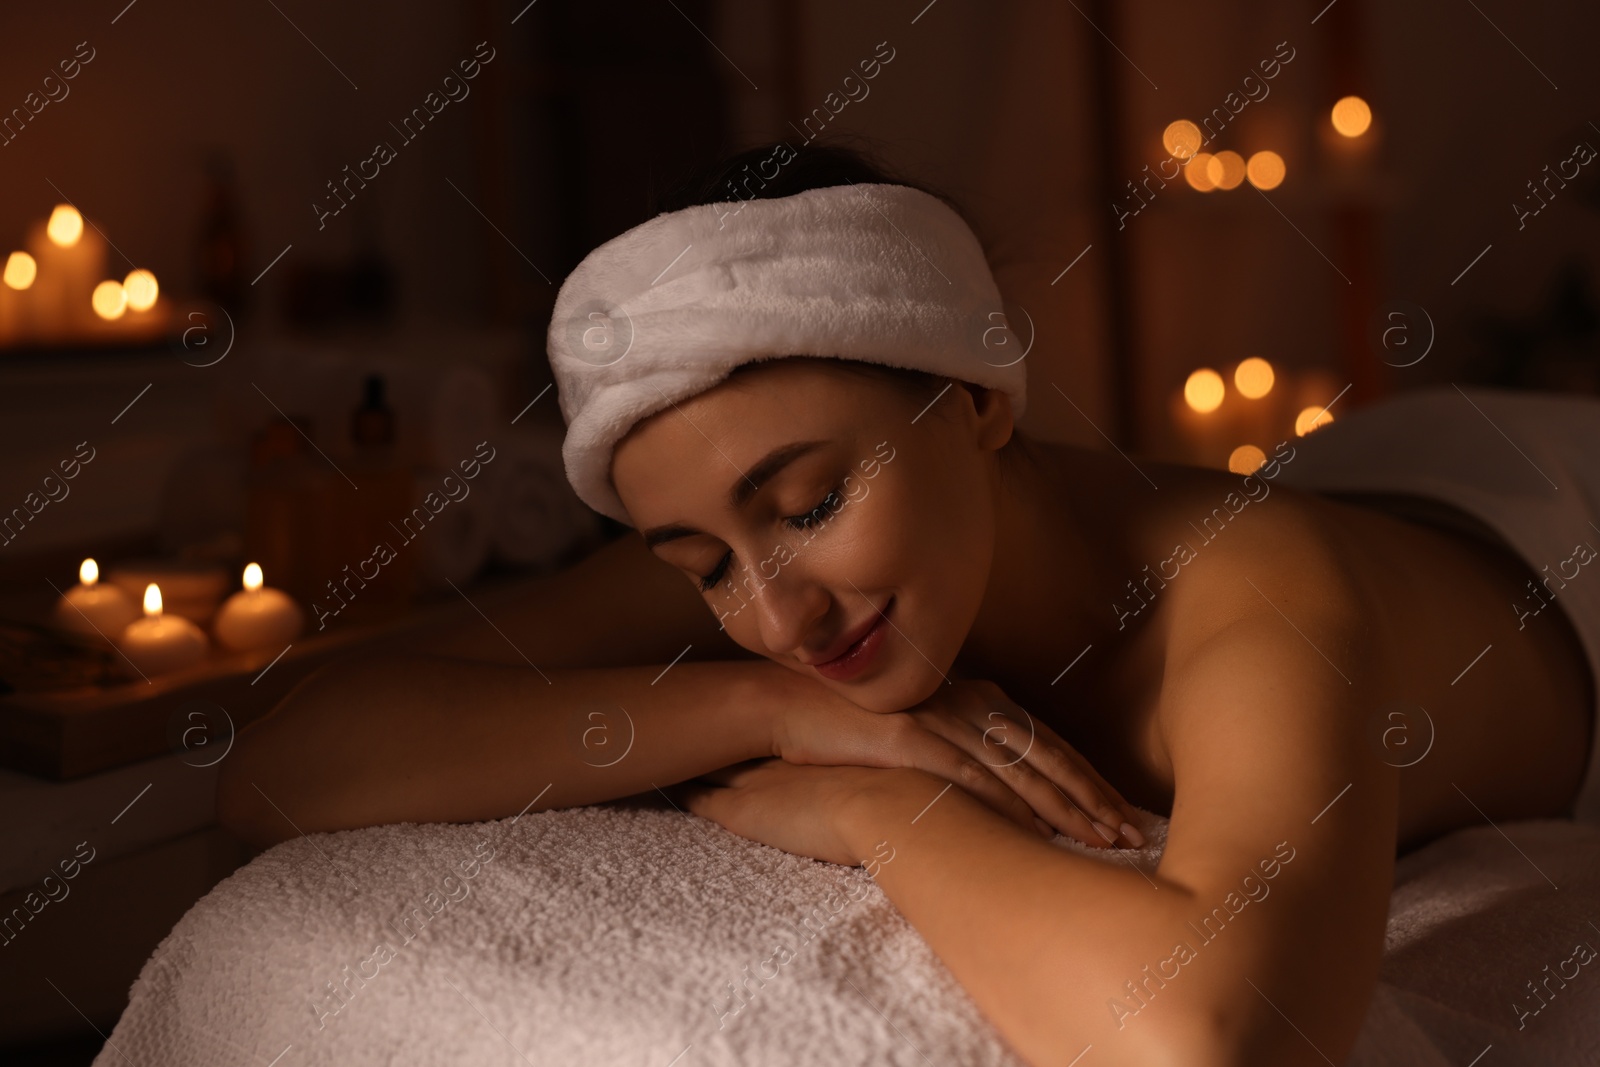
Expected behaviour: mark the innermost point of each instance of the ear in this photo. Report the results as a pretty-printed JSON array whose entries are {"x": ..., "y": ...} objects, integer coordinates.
[{"x": 992, "y": 408}]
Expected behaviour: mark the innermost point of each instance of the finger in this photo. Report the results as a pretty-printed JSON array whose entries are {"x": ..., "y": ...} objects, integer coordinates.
[
  {"x": 1081, "y": 785},
  {"x": 1057, "y": 789},
  {"x": 938, "y": 756},
  {"x": 1012, "y": 727}
]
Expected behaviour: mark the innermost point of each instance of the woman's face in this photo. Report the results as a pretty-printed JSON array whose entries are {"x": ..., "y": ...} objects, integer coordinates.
[{"x": 831, "y": 523}]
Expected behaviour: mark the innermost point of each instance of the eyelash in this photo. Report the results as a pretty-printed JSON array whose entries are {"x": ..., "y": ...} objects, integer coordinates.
[{"x": 794, "y": 522}]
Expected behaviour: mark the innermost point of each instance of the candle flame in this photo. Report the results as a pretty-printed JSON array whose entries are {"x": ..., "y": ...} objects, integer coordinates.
[
  {"x": 252, "y": 576},
  {"x": 152, "y": 600},
  {"x": 21, "y": 270},
  {"x": 65, "y": 225},
  {"x": 110, "y": 300},
  {"x": 88, "y": 572},
  {"x": 142, "y": 289}
]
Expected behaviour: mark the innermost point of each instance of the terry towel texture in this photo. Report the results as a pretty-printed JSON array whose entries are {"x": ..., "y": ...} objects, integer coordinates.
[
  {"x": 615, "y": 935},
  {"x": 878, "y": 273},
  {"x": 1524, "y": 465}
]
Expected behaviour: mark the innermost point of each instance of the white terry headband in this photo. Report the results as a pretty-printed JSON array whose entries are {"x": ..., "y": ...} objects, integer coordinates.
[{"x": 874, "y": 272}]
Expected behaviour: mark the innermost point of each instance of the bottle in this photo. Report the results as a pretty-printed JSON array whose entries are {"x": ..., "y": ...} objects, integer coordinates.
[
  {"x": 381, "y": 578},
  {"x": 221, "y": 249}
]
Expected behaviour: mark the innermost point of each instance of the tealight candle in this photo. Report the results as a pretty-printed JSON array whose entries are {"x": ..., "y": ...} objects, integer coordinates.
[
  {"x": 159, "y": 644},
  {"x": 92, "y": 609},
  {"x": 257, "y": 617}
]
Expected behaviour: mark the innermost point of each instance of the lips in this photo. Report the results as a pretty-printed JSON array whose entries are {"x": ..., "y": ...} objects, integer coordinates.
[{"x": 844, "y": 644}]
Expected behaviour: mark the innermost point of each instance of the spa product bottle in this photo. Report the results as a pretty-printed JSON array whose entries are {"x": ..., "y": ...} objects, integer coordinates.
[
  {"x": 290, "y": 493},
  {"x": 377, "y": 576}
]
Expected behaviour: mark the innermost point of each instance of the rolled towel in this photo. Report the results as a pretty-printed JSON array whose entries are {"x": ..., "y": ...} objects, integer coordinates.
[
  {"x": 539, "y": 521},
  {"x": 454, "y": 547}
]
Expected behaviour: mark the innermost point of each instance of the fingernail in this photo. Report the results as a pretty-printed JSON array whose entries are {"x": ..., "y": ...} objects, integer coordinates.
[
  {"x": 1106, "y": 832},
  {"x": 1044, "y": 828},
  {"x": 1132, "y": 833}
]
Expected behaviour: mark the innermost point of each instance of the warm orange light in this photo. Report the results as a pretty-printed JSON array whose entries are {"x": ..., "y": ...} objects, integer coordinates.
[
  {"x": 88, "y": 572},
  {"x": 1226, "y": 169},
  {"x": 110, "y": 300},
  {"x": 1265, "y": 170},
  {"x": 65, "y": 225},
  {"x": 1351, "y": 116},
  {"x": 1309, "y": 419},
  {"x": 142, "y": 289},
  {"x": 1246, "y": 459},
  {"x": 21, "y": 270},
  {"x": 152, "y": 600},
  {"x": 1197, "y": 173},
  {"x": 1203, "y": 391},
  {"x": 252, "y": 576},
  {"x": 1181, "y": 139},
  {"x": 1254, "y": 377}
]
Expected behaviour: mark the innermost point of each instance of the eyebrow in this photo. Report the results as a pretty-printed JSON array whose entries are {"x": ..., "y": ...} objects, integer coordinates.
[{"x": 741, "y": 492}]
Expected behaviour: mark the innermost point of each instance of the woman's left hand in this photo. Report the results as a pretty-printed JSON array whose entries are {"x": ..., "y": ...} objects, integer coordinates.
[{"x": 802, "y": 810}]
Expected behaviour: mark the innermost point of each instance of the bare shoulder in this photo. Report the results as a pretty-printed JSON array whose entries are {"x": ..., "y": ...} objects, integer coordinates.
[
  {"x": 1238, "y": 556},
  {"x": 1267, "y": 675}
]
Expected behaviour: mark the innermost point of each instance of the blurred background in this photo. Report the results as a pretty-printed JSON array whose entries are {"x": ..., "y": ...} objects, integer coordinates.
[{"x": 277, "y": 277}]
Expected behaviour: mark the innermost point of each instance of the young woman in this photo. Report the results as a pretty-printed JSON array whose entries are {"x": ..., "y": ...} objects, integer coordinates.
[{"x": 927, "y": 631}]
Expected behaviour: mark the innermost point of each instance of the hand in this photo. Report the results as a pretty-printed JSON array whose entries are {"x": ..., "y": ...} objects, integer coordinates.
[
  {"x": 794, "y": 808},
  {"x": 969, "y": 733}
]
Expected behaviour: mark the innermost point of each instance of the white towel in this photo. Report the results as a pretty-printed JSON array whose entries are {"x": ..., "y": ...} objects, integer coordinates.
[
  {"x": 539, "y": 522},
  {"x": 611, "y": 934},
  {"x": 1526, "y": 466},
  {"x": 880, "y": 273}
]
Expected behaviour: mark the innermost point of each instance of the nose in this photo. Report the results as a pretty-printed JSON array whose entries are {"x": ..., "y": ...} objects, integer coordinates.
[{"x": 787, "y": 609}]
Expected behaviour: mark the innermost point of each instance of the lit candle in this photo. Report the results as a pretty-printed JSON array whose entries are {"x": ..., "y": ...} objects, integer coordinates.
[
  {"x": 157, "y": 643},
  {"x": 70, "y": 257},
  {"x": 15, "y": 321},
  {"x": 95, "y": 610},
  {"x": 258, "y": 617}
]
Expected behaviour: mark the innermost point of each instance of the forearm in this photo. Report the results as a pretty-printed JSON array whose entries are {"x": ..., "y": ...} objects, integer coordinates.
[
  {"x": 1040, "y": 937},
  {"x": 434, "y": 740}
]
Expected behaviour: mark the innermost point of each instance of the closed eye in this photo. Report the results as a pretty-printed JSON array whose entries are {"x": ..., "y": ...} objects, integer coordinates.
[{"x": 815, "y": 517}]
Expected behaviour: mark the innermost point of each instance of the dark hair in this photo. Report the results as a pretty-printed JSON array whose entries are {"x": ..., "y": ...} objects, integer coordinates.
[{"x": 814, "y": 165}]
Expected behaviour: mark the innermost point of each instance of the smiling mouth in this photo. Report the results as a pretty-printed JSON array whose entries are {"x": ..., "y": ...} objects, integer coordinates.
[{"x": 860, "y": 652}]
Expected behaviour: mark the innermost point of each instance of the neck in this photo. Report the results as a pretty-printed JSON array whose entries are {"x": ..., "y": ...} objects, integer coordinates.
[{"x": 1062, "y": 558}]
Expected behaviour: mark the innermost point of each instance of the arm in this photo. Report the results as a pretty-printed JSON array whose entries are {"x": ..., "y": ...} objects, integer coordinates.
[
  {"x": 437, "y": 740},
  {"x": 619, "y": 606},
  {"x": 424, "y": 739},
  {"x": 1258, "y": 940}
]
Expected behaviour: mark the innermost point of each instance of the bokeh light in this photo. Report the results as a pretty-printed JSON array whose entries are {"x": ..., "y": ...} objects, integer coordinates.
[
  {"x": 1351, "y": 116},
  {"x": 1265, "y": 169},
  {"x": 142, "y": 289},
  {"x": 21, "y": 270},
  {"x": 1309, "y": 419},
  {"x": 1181, "y": 139},
  {"x": 1196, "y": 172},
  {"x": 65, "y": 225},
  {"x": 1254, "y": 377},
  {"x": 1204, "y": 389},
  {"x": 1246, "y": 459},
  {"x": 1226, "y": 169},
  {"x": 110, "y": 300}
]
